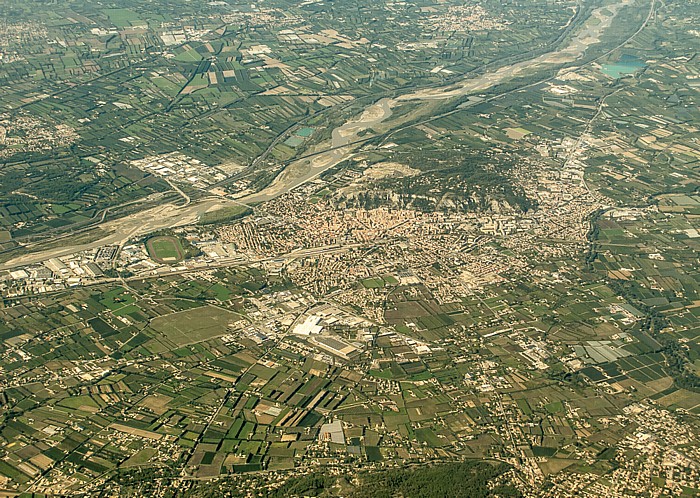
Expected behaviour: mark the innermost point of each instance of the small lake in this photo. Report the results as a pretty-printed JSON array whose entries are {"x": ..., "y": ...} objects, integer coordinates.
[{"x": 628, "y": 64}]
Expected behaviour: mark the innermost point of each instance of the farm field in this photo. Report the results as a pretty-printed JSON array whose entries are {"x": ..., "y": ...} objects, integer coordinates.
[{"x": 193, "y": 325}]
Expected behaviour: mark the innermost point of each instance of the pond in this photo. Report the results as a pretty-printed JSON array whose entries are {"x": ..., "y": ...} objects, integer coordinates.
[{"x": 628, "y": 64}]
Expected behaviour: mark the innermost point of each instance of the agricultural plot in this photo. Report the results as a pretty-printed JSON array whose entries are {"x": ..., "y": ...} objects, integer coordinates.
[
  {"x": 123, "y": 18},
  {"x": 194, "y": 325},
  {"x": 117, "y": 299}
]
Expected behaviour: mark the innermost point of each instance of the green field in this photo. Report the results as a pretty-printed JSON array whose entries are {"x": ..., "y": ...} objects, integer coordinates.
[
  {"x": 165, "y": 249},
  {"x": 117, "y": 299},
  {"x": 140, "y": 458},
  {"x": 225, "y": 214},
  {"x": 122, "y": 18},
  {"x": 294, "y": 141},
  {"x": 373, "y": 283},
  {"x": 195, "y": 325}
]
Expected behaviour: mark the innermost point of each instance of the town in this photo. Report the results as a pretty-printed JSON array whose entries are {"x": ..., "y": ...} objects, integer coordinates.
[{"x": 348, "y": 249}]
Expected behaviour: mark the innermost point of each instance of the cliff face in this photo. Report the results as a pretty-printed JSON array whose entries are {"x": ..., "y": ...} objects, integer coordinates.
[
  {"x": 474, "y": 198},
  {"x": 455, "y": 181}
]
